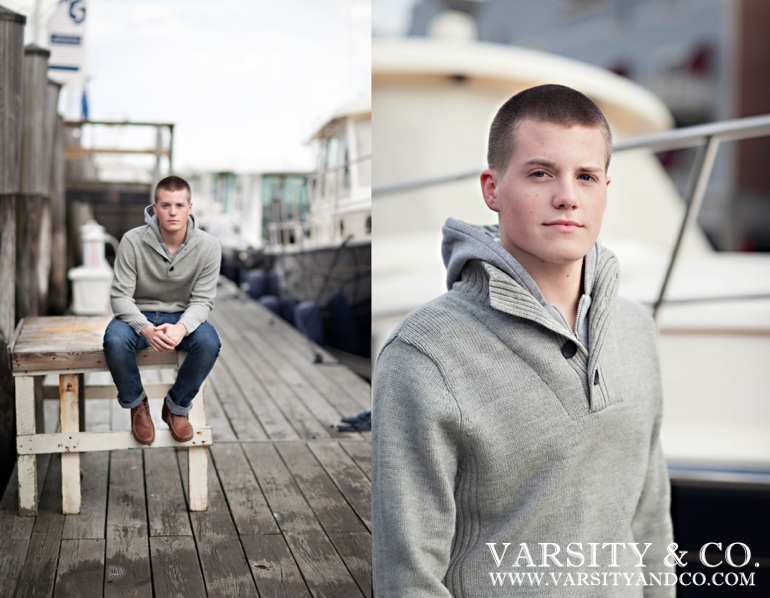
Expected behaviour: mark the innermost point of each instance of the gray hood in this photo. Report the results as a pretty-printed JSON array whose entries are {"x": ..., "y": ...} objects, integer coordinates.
[
  {"x": 151, "y": 220},
  {"x": 464, "y": 242}
]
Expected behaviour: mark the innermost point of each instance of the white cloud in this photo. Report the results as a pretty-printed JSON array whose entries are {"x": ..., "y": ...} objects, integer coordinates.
[{"x": 245, "y": 82}]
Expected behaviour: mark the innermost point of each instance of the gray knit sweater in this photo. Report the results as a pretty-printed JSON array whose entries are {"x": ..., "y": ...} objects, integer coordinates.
[
  {"x": 148, "y": 278},
  {"x": 493, "y": 424}
]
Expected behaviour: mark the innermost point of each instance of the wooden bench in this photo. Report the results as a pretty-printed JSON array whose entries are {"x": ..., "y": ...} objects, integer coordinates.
[{"x": 70, "y": 347}]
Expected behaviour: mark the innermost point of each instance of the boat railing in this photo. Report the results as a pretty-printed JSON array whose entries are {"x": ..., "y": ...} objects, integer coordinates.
[{"x": 705, "y": 138}]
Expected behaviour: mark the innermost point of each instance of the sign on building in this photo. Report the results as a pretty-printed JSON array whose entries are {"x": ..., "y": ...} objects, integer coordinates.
[{"x": 67, "y": 38}]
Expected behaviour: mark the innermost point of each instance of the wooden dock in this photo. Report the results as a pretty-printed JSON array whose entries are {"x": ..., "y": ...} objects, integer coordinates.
[{"x": 289, "y": 495}]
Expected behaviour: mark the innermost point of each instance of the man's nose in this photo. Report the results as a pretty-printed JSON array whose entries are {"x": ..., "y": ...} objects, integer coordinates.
[{"x": 565, "y": 196}]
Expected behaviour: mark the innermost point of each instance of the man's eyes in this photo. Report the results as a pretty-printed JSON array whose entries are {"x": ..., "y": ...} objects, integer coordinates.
[{"x": 586, "y": 177}]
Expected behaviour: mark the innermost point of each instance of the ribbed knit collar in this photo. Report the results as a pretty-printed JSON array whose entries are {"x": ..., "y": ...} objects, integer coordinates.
[{"x": 464, "y": 242}]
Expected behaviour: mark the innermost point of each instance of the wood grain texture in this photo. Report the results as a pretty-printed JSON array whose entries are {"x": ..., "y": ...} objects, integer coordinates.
[
  {"x": 91, "y": 521},
  {"x": 225, "y": 569},
  {"x": 361, "y": 453},
  {"x": 103, "y": 441},
  {"x": 323, "y": 496},
  {"x": 247, "y": 504},
  {"x": 7, "y": 265},
  {"x": 166, "y": 505},
  {"x": 261, "y": 392},
  {"x": 356, "y": 550},
  {"x": 15, "y": 533},
  {"x": 127, "y": 560},
  {"x": 70, "y": 462},
  {"x": 348, "y": 478},
  {"x": 81, "y": 569},
  {"x": 321, "y": 566},
  {"x": 175, "y": 566},
  {"x": 273, "y": 567},
  {"x": 39, "y": 573},
  {"x": 11, "y": 60},
  {"x": 324, "y": 413}
]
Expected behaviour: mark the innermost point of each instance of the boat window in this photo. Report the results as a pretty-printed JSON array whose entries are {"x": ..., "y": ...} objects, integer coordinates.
[{"x": 363, "y": 131}]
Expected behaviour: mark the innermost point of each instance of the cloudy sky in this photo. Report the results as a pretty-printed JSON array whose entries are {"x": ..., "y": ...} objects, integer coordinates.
[{"x": 246, "y": 82}]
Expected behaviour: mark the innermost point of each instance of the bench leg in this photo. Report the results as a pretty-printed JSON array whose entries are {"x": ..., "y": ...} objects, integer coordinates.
[
  {"x": 70, "y": 462},
  {"x": 27, "y": 464},
  {"x": 197, "y": 459}
]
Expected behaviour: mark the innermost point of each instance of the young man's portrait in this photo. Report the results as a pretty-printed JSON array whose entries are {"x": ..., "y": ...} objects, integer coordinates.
[{"x": 517, "y": 417}]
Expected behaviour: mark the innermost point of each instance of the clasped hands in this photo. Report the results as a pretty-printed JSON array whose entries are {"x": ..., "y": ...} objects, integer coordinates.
[{"x": 164, "y": 338}]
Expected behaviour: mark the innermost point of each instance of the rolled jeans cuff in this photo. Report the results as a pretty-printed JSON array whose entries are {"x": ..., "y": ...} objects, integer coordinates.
[
  {"x": 176, "y": 409},
  {"x": 135, "y": 403}
]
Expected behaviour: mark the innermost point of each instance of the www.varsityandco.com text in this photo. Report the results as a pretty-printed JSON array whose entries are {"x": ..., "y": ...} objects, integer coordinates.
[{"x": 549, "y": 564}]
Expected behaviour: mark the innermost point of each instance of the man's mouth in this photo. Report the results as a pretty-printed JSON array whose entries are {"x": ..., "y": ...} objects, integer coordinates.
[{"x": 563, "y": 225}]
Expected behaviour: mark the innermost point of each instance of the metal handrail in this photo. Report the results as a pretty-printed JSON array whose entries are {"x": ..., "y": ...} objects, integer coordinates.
[{"x": 706, "y": 138}]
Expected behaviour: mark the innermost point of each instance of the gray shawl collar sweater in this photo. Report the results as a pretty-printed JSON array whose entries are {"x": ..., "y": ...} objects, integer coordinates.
[
  {"x": 148, "y": 278},
  {"x": 487, "y": 430}
]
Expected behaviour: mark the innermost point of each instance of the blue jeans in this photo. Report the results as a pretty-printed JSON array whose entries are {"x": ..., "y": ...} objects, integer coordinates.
[{"x": 121, "y": 344}]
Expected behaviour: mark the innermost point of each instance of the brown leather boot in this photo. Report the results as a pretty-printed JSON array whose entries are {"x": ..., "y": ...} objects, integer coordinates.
[
  {"x": 141, "y": 423},
  {"x": 180, "y": 426}
]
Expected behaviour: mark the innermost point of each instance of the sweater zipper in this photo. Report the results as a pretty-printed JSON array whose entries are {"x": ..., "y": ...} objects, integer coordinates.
[{"x": 577, "y": 316}]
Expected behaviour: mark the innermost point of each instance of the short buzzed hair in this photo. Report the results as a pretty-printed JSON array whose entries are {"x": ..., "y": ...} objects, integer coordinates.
[
  {"x": 172, "y": 183},
  {"x": 551, "y": 103}
]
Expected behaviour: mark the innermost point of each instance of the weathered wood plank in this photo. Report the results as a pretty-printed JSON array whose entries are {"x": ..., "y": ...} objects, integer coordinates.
[
  {"x": 11, "y": 53},
  {"x": 63, "y": 343},
  {"x": 39, "y": 572},
  {"x": 341, "y": 386},
  {"x": 15, "y": 533},
  {"x": 176, "y": 571},
  {"x": 328, "y": 504},
  {"x": 259, "y": 392},
  {"x": 70, "y": 462},
  {"x": 248, "y": 506},
  {"x": 243, "y": 420},
  {"x": 166, "y": 503},
  {"x": 7, "y": 266},
  {"x": 103, "y": 441},
  {"x": 12, "y": 557},
  {"x": 91, "y": 521},
  {"x": 323, "y": 411},
  {"x": 321, "y": 566},
  {"x": 217, "y": 418},
  {"x": 356, "y": 550},
  {"x": 294, "y": 408},
  {"x": 81, "y": 569},
  {"x": 347, "y": 476},
  {"x": 273, "y": 567},
  {"x": 127, "y": 560},
  {"x": 26, "y": 464},
  {"x": 361, "y": 453},
  {"x": 225, "y": 569},
  {"x": 197, "y": 457},
  {"x": 12, "y": 526}
]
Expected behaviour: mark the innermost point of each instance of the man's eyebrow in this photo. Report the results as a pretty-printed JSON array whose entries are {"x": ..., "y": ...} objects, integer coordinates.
[
  {"x": 540, "y": 162},
  {"x": 548, "y": 164}
]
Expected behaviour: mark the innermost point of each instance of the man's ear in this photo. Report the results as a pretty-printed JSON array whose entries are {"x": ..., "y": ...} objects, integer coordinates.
[{"x": 489, "y": 180}]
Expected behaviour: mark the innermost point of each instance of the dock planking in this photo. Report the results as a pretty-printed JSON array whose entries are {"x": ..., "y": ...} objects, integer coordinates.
[{"x": 289, "y": 495}]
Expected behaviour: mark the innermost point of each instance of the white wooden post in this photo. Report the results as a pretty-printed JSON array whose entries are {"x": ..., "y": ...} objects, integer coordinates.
[
  {"x": 27, "y": 464},
  {"x": 197, "y": 459},
  {"x": 70, "y": 462}
]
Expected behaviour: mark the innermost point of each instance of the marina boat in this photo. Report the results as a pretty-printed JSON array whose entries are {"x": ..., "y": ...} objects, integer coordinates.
[{"x": 321, "y": 250}]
